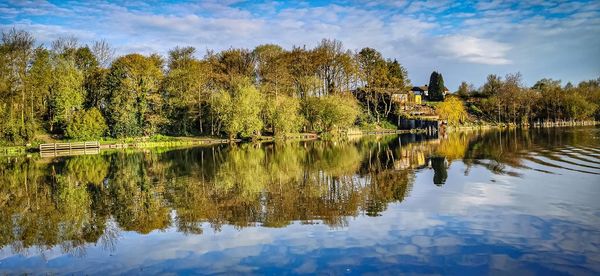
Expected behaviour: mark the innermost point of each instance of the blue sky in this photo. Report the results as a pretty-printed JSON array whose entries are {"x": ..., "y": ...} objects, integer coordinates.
[{"x": 463, "y": 40}]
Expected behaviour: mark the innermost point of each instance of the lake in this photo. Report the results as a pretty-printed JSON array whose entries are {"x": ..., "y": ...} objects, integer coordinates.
[{"x": 472, "y": 203}]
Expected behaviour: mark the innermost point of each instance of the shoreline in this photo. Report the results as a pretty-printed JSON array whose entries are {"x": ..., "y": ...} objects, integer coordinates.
[
  {"x": 175, "y": 142},
  {"x": 536, "y": 125}
]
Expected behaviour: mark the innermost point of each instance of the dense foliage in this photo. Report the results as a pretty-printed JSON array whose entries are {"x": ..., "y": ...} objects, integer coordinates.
[
  {"x": 509, "y": 101},
  {"x": 86, "y": 124},
  {"x": 235, "y": 92}
]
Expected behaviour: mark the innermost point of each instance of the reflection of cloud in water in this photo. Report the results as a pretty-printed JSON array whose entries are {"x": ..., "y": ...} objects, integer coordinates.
[{"x": 506, "y": 242}]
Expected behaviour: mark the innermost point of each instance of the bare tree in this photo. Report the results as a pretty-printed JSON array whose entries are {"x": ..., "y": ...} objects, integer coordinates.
[
  {"x": 103, "y": 52},
  {"x": 65, "y": 44}
]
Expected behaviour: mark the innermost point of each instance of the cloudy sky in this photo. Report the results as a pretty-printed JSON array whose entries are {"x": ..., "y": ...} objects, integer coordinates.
[{"x": 463, "y": 40}]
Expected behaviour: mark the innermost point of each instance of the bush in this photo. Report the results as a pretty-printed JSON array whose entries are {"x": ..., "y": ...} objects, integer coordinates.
[
  {"x": 88, "y": 124},
  {"x": 160, "y": 138},
  {"x": 473, "y": 109}
]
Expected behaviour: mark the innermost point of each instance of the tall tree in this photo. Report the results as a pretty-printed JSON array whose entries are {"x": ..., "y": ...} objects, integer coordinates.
[
  {"x": 492, "y": 85},
  {"x": 436, "y": 87},
  {"x": 185, "y": 91},
  {"x": 234, "y": 65},
  {"x": 272, "y": 73},
  {"x": 373, "y": 72},
  {"x": 67, "y": 94},
  {"x": 40, "y": 79},
  {"x": 303, "y": 71},
  {"x": 17, "y": 52},
  {"x": 135, "y": 105},
  {"x": 334, "y": 65}
]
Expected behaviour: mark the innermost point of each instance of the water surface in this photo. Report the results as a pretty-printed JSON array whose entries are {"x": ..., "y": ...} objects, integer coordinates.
[{"x": 525, "y": 202}]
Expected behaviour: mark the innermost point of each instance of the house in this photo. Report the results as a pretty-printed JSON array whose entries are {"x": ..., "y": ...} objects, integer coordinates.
[
  {"x": 424, "y": 91},
  {"x": 405, "y": 98}
]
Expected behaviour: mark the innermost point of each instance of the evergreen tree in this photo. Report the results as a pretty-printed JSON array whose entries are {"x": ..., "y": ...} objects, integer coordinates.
[{"x": 436, "y": 87}]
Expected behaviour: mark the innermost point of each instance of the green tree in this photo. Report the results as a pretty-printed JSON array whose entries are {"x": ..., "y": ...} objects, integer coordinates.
[
  {"x": 492, "y": 85},
  {"x": 85, "y": 60},
  {"x": 220, "y": 109},
  {"x": 578, "y": 107},
  {"x": 88, "y": 124},
  {"x": 66, "y": 95},
  {"x": 244, "y": 117},
  {"x": 436, "y": 87},
  {"x": 95, "y": 88},
  {"x": 271, "y": 70},
  {"x": 135, "y": 105},
  {"x": 185, "y": 91},
  {"x": 284, "y": 115},
  {"x": 16, "y": 52},
  {"x": 373, "y": 72},
  {"x": 332, "y": 113},
  {"x": 40, "y": 81}
]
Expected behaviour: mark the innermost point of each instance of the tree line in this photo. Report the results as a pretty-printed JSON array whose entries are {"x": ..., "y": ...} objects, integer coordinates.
[
  {"x": 81, "y": 91},
  {"x": 508, "y": 100}
]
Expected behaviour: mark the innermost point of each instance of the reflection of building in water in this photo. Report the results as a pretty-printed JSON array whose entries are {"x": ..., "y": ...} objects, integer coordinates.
[
  {"x": 410, "y": 159},
  {"x": 413, "y": 155}
]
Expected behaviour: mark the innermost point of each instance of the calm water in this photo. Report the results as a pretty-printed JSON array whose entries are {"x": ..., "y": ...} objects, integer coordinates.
[{"x": 519, "y": 202}]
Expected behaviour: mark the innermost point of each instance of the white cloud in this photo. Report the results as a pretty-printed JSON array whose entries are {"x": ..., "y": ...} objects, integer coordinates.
[
  {"x": 495, "y": 36},
  {"x": 428, "y": 6},
  {"x": 475, "y": 50}
]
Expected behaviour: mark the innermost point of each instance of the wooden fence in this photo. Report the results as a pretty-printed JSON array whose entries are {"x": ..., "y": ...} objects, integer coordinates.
[{"x": 77, "y": 146}]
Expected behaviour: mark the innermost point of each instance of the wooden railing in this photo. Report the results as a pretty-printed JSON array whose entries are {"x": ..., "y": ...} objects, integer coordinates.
[{"x": 69, "y": 146}]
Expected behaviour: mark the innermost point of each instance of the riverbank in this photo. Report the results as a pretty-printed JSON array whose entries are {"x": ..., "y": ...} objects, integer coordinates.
[
  {"x": 162, "y": 141},
  {"x": 489, "y": 125}
]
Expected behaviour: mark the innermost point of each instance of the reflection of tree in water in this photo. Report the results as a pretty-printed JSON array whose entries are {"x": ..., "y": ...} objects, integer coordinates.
[
  {"x": 45, "y": 204},
  {"x": 135, "y": 184},
  {"x": 496, "y": 150},
  {"x": 69, "y": 202},
  {"x": 440, "y": 170}
]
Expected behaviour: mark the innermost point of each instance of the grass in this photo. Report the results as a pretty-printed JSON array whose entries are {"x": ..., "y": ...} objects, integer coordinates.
[{"x": 383, "y": 124}]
